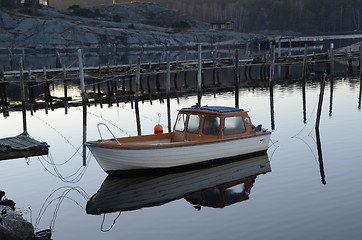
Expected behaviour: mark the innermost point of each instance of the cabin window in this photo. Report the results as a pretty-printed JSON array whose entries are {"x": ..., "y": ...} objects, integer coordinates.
[
  {"x": 234, "y": 125},
  {"x": 194, "y": 123},
  {"x": 180, "y": 122},
  {"x": 211, "y": 125}
]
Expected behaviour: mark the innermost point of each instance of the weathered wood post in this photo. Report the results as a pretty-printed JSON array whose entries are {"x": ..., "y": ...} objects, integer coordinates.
[
  {"x": 279, "y": 55},
  {"x": 137, "y": 86},
  {"x": 31, "y": 95},
  {"x": 236, "y": 78},
  {"x": 22, "y": 89},
  {"x": 272, "y": 64},
  {"x": 168, "y": 86},
  {"x": 305, "y": 62},
  {"x": 148, "y": 82},
  {"x": 84, "y": 99},
  {"x": 65, "y": 89},
  {"x": 199, "y": 75},
  {"x": 271, "y": 90},
  {"x": 332, "y": 59},
  {"x": 58, "y": 63},
  {"x": 11, "y": 59},
  {"x": 46, "y": 90},
  {"x": 247, "y": 50},
  {"x": 360, "y": 72}
]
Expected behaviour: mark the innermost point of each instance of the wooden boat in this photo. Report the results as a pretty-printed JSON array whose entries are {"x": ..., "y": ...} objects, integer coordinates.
[
  {"x": 232, "y": 180},
  {"x": 200, "y": 134}
]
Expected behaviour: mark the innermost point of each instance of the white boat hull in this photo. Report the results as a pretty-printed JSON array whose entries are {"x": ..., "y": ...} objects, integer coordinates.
[{"x": 118, "y": 158}]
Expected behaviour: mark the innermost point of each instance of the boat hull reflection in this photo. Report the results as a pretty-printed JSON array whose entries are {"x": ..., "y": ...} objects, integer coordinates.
[{"x": 131, "y": 193}]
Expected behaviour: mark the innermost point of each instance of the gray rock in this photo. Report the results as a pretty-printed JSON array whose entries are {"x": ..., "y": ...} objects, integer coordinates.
[{"x": 13, "y": 226}]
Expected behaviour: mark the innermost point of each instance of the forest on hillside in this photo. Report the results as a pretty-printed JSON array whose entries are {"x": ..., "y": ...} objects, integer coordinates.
[{"x": 307, "y": 16}]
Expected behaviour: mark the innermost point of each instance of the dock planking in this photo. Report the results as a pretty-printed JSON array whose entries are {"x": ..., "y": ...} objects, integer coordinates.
[{"x": 20, "y": 146}]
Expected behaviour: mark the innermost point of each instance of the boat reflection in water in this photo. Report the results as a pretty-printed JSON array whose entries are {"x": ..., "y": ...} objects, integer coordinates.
[{"x": 218, "y": 186}]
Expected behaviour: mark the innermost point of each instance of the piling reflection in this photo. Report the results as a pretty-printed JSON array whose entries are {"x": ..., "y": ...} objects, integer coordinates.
[
  {"x": 360, "y": 94},
  {"x": 271, "y": 94},
  {"x": 304, "y": 98},
  {"x": 331, "y": 96},
  {"x": 196, "y": 186},
  {"x": 320, "y": 157}
]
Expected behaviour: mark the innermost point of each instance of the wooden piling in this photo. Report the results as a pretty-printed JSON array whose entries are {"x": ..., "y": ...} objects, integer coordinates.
[
  {"x": 360, "y": 73},
  {"x": 81, "y": 73},
  {"x": 30, "y": 91},
  {"x": 46, "y": 91},
  {"x": 138, "y": 73},
  {"x": 199, "y": 76},
  {"x": 168, "y": 86},
  {"x": 305, "y": 62},
  {"x": 22, "y": 89},
  {"x": 11, "y": 59},
  {"x": 272, "y": 64},
  {"x": 236, "y": 78},
  {"x": 149, "y": 84},
  {"x": 332, "y": 59}
]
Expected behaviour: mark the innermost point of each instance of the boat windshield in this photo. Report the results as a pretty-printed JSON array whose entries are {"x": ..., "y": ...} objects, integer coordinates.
[
  {"x": 211, "y": 125},
  {"x": 180, "y": 122},
  {"x": 194, "y": 123},
  {"x": 234, "y": 125}
]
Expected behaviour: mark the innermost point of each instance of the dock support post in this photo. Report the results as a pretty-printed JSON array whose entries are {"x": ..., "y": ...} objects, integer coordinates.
[
  {"x": 199, "y": 75},
  {"x": 360, "y": 73},
  {"x": 279, "y": 55},
  {"x": 168, "y": 86},
  {"x": 138, "y": 73},
  {"x": 272, "y": 63},
  {"x": 236, "y": 78},
  {"x": 22, "y": 89},
  {"x": 83, "y": 94},
  {"x": 305, "y": 60},
  {"x": 81, "y": 73},
  {"x": 332, "y": 59}
]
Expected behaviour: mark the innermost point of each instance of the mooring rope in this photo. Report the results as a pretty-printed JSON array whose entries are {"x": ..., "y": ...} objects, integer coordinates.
[
  {"x": 114, "y": 222},
  {"x": 63, "y": 195}
]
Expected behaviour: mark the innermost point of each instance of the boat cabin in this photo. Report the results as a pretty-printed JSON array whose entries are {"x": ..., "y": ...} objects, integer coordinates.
[{"x": 211, "y": 123}]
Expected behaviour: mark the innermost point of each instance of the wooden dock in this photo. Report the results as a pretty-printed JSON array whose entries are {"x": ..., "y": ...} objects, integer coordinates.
[
  {"x": 21, "y": 146},
  {"x": 165, "y": 78}
]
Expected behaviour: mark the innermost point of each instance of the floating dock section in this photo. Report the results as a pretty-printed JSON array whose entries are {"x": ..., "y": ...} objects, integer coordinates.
[{"x": 21, "y": 146}]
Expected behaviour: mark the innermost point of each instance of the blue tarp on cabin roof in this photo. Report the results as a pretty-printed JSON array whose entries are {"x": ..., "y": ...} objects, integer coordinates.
[{"x": 219, "y": 109}]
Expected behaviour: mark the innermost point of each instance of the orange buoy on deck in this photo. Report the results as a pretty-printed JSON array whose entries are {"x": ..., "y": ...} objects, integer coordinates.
[{"x": 158, "y": 129}]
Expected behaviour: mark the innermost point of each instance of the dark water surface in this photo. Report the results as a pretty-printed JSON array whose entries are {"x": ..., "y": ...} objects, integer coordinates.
[{"x": 278, "y": 196}]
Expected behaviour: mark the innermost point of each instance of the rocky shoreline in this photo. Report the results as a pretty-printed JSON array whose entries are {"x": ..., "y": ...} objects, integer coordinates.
[
  {"x": 14, "y": 227},
  {"x": 141, "y": 24}
]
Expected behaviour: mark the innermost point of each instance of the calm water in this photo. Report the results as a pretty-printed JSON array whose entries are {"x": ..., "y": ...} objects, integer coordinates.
[{"x": 284, "y": 200}]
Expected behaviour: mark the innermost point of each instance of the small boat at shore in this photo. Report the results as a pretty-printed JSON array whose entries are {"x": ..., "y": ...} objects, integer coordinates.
[{"x": 200, "y": 135}]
